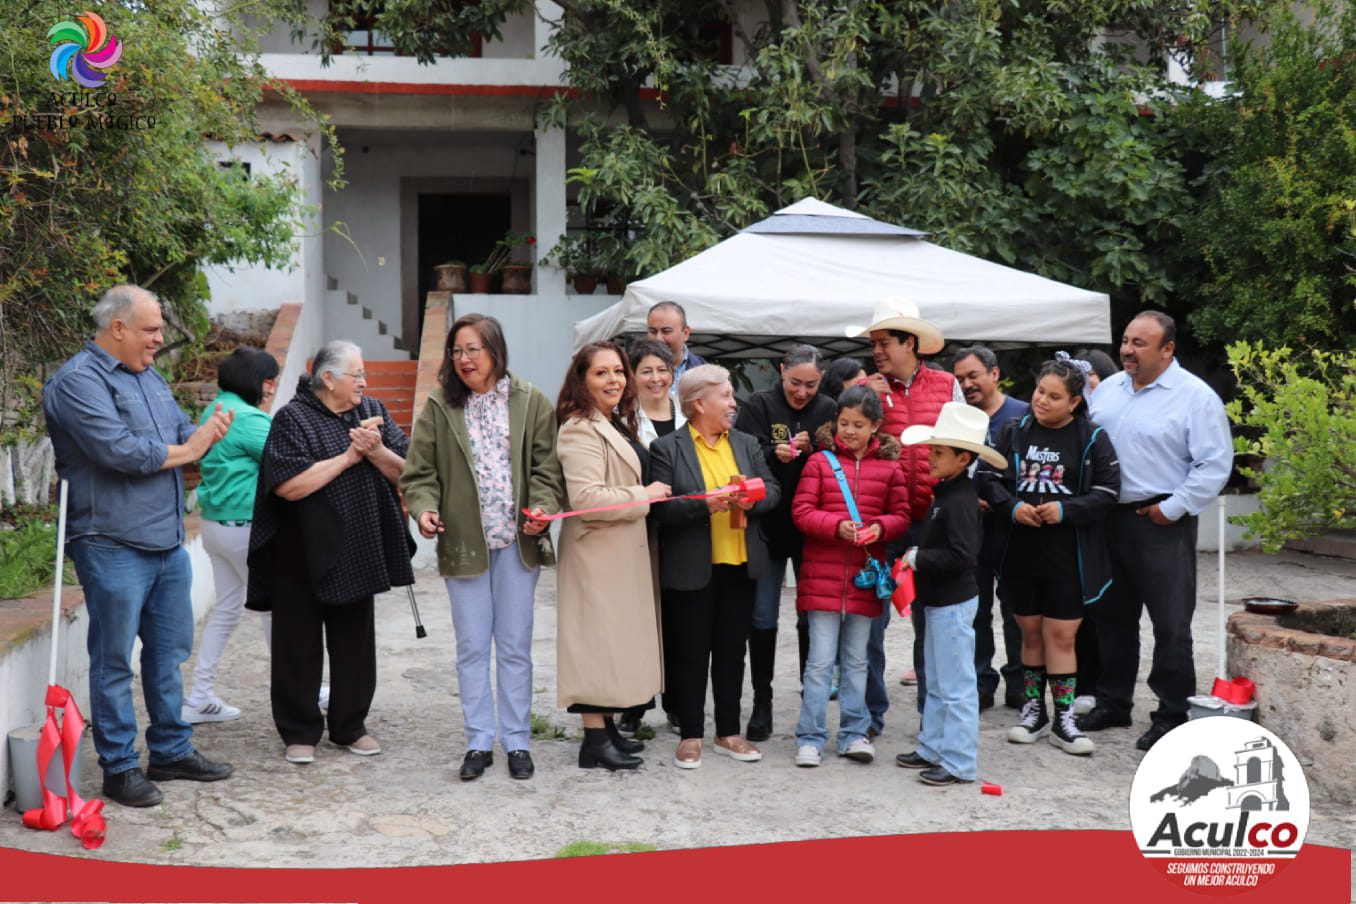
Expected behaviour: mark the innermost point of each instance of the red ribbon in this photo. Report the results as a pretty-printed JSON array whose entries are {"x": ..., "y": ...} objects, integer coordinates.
[
  {"x": 904, "y": 594},
  {"x": 87, "y": 818},
  {"x": 750, "y": 489}
]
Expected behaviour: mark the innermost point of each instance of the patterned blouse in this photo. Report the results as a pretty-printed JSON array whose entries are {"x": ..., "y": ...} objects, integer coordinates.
[{"x": 487, "y": 423}]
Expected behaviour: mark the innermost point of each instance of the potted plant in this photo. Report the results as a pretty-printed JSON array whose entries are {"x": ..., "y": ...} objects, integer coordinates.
[
  {"x": 575, "y": 255},
  {"x": 517, "y": 278},
  {"x": 451, "y": 276},
  {"x": 615, "y": 267},
  {"x": 500, "y": 258},
  {"x": 480, "y": 279}
]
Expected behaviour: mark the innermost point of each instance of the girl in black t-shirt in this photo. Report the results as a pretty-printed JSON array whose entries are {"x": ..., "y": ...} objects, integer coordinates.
[{"x": 1062, "y": 481}]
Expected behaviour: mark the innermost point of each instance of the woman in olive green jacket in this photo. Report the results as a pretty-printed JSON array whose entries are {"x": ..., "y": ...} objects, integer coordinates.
[{"x": 483, "y": 451}]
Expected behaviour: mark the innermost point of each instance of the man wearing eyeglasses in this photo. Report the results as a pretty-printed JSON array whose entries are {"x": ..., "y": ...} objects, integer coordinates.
[{"x": 120, "y": 439}]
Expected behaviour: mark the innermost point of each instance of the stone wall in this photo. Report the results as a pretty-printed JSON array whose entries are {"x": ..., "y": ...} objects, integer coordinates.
[{"x": 1306, "y": 693}]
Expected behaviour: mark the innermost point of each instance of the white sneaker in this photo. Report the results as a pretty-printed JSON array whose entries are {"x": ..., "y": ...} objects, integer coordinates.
[
  {"x": 807, "y": 755},
  {"x": 324, "y": 700},
  {"x": 1084, "y": 704},
  {"x": 861, "y": 751},
  {"x": 213, "y": 710}
]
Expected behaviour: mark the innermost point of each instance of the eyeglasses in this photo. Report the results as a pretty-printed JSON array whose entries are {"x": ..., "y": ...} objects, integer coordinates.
[
  {"x": 357, "y": 375},
  {"x": 471, "y": 351}
]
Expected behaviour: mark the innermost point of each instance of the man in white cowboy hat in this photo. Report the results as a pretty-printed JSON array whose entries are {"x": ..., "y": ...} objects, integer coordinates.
[
  {"x": 911, "y": 393},
  {"x": 944, "y": 562}
]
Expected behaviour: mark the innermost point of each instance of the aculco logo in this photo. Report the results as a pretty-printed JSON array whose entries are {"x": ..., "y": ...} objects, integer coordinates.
[{"x": 1218, "y": 803}]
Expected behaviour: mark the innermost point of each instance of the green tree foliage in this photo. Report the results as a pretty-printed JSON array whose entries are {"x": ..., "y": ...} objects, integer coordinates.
[
  {"x": 1299, "y": 415},
  {"x": 1274, "y": 247},
  {"x": 84, "y": 205},
  {"x": 1025, "y": 132}
]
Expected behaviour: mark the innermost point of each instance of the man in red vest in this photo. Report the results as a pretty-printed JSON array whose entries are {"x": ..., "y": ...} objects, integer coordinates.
[{"x": 911, "y": 393}]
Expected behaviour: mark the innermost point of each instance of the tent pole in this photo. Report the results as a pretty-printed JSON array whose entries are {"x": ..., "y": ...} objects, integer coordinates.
[{"x": 1223, "y": 669}]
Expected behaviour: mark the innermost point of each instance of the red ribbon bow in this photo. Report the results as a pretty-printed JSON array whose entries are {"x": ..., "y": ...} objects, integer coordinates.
[
  {"x": 1238, "y": 691},
  {"x": 87, "y": 818}
]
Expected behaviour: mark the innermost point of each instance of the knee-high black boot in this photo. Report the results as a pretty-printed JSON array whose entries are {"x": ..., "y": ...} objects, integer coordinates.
[{"x": 762, "y": 658}]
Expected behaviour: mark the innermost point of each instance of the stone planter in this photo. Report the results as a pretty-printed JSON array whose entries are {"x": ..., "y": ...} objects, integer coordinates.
[
  {"x": 517, "y": 280},
  {"x": 451, "y": 277},
  {"x": 1306, "y": 685}
]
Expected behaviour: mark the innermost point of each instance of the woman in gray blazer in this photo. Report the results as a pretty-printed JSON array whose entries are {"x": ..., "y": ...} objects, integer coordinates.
[{"x": 709, "y": 561}]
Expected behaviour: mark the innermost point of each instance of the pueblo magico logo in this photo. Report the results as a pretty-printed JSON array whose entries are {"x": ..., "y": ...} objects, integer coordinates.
[{"x": 1218, "y": 804}]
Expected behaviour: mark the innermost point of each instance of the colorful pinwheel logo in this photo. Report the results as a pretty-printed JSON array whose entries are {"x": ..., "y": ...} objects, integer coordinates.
[{"x": 82, "y": 47}]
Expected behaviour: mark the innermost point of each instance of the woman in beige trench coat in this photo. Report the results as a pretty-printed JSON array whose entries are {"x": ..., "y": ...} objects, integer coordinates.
[{"x": 607, "y": 629}]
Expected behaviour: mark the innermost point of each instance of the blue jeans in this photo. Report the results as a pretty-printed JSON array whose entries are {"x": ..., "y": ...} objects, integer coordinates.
[
  {"x": 767, "y": 597},
  {"x": 950, "y": 735},
  {"x": 131, "y": 593},
  {"x": 495, "y": 607},
  {"x": 832, "y": 635}
]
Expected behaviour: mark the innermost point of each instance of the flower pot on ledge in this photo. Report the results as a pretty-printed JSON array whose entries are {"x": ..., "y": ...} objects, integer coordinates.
[
  {"x": 480, "y": 282},
  {"x": 517, "y": 279},
  {"x": 616, "y": 285},
  {"x": 584, "y": 283},
  {"x": 451, "y": 277}
]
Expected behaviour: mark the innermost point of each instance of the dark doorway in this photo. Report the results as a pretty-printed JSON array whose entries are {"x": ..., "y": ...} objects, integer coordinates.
[{"x": 457, "y": 227}]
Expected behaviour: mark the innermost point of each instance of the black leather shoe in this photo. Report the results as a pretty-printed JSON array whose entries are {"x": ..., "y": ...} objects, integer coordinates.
[
  {"x": 912, "y": 760},
  {"x": 194, "y": 768},
  {"x": 131, "y": 789},
  {"x": 628, "y": 725},
  {"x": 520, "y": 764},
  {"x": 625, "y": 745},
  {"x": 985, "y": 702},
  {"x": 1100, "y": 718},
  {"x": 598, "y": 750},
  {"x": 475, "y": 764},
  {"x": 1153, "y": 735},
  {"x": 939, "y": 776},
  {"x": 760, "y": 722}
]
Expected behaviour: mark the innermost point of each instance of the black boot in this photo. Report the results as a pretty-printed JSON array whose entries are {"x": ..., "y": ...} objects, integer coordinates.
[
  {"x": 625, "y": 745},
  {"x": 762, "y": 658},
  {"x": 598, "y": 750}
]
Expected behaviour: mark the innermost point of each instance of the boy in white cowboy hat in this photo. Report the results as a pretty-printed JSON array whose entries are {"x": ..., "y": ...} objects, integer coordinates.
[
  {"x": 911, "y": 393},
  {"x": 944, "y": 562}
]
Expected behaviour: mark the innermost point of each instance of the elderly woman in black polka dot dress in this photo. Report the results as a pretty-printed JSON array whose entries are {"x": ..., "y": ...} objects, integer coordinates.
[{"x": 328, "y": 534}]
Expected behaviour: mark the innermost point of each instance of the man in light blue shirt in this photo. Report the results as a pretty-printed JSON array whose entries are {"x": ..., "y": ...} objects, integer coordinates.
[
  {"x": 1172, "y": 435},
  {"x": 667, "y": 322},
  {"x": 120, "y": 439}
]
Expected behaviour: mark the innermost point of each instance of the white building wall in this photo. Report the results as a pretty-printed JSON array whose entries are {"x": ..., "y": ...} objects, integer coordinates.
[{"x": 252, "y": 287}]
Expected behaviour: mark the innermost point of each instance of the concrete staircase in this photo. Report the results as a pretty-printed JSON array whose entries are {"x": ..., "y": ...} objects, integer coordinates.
[
  {"x": 393, "y": 383},
  {"x": 347, "y": 318}
]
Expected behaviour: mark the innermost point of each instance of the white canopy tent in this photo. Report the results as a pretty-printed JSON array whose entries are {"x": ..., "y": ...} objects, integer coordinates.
[{"x": 811, "y": 269}]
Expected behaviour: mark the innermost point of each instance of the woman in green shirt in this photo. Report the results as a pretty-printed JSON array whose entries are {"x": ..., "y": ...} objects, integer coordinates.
[{"x": 248, "y": 379}]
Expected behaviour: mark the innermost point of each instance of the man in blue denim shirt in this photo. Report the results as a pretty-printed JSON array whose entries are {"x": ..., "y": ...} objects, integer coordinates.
[{"x": 120, "y": 439}]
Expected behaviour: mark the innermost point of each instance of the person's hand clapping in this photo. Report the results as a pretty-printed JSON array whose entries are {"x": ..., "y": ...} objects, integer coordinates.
[
  {"x": 430, "y": 525},
  {"x": 361, "y": 443},
  {"x": 211, "y": 431},
  {"x": 1026, "y": 514}
]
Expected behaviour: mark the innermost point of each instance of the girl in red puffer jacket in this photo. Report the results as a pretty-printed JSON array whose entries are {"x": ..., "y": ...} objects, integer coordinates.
[{"x": 842, "y": 531}]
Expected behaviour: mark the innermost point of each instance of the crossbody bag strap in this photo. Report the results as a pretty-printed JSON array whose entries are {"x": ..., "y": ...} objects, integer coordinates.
[{"x": 843, "y": 486}]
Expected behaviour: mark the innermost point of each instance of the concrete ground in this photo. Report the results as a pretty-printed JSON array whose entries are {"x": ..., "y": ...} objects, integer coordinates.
[{"x": 407, "y": 806}]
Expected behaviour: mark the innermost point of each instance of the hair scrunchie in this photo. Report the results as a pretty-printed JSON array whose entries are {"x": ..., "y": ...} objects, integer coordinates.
[{"x": 1066, "y": 358}]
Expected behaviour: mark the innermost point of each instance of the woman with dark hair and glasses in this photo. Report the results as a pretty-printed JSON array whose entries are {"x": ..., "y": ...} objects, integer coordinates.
[
  {"x": 1063, "y": 481},
  {"x": 784, "y": 420},
  {"x": 607, "y": 622},
  {"x": 328, "y": 535},
  {"x": 248, "y": 380},
  {"x": 488, "y": 436}
]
